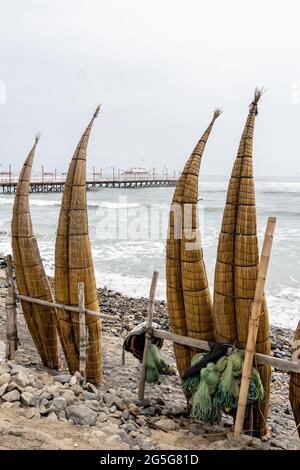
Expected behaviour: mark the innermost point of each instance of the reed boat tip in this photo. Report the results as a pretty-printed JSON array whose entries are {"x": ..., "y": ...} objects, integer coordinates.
[
  {"x": 97, "y": 110},
  {"x": 217, "y": 112}
]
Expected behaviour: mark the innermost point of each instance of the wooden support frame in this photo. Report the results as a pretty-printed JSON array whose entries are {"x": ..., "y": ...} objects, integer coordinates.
[
  {"x": 11, "y": 313},
  {"x": 141, "y": 390},
  {"x": 262, "y": 359},
  {"x": 253, "y": 325},
  {"x": 104, "y": 316}
]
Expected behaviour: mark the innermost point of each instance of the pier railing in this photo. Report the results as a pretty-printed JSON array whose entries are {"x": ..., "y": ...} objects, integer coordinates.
[{"x": 57, "y": 185}]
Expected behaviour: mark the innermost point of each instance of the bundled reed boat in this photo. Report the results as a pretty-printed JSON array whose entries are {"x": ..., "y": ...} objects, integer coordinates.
[
  {"x": 188, "y": 296},
  {"x": 237, "y": 265},
  {"x": 74, "y": 264},
  {"x": 295, "y": 384},
  {"x": 30, "y": 274}
]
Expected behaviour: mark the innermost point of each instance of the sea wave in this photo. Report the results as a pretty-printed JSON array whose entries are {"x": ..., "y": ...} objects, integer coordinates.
[
  {"x": 90, "y": 204},
  {"x": 116, "y": 205}
]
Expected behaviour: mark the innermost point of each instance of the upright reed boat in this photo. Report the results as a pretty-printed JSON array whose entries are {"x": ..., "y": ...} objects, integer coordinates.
[
  {"x": 188, "y": 297},
  {"x": 74, "y": 263},
  {"x": 30, "y": 274},
  {"x": 237, "y": 265}
]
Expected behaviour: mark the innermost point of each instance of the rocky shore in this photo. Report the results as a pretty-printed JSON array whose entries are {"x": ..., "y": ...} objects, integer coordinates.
[{"x": 71, "y": 414}]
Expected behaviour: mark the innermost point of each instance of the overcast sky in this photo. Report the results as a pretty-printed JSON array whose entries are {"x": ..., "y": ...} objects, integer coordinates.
[{"x": 159, "y": 68}]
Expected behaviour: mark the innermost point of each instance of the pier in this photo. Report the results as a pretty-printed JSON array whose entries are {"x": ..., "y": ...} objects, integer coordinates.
[{"x": 57, "y": 186}]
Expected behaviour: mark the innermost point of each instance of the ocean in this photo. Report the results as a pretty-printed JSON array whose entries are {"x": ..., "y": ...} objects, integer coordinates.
[{"x": 128, "y": 230}]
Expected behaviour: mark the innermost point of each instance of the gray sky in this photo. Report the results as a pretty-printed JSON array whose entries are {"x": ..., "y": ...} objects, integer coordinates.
[{"x": 159, "y": 67}]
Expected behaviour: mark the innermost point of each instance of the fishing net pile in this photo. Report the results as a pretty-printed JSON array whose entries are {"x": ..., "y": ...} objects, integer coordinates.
[
  {"x": 212, "y": 384},
  {"x": 156, "y": 364}
]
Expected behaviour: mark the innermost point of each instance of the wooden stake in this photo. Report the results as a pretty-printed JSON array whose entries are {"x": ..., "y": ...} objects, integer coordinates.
[
  {"x": 253, "y": 325},
  {"x": 11, "y": 313},
  {"x": 82, "y": 330},
  {"x": 141, "y": 391}
]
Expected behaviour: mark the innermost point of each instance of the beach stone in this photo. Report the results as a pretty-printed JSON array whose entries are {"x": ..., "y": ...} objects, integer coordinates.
[
  {"x": 81, "y": 415},
  {"x": 14, "y": 395},
  {"x": 110, "y": 428},
  {"x": 77, "y": 389},
  {"x": 59, "y": 403},
  {"x": 151, "y": 411},
  {"x": 5, "y": 378},
  {"x": 141, "y": 421},
  {"x": 79, "y": 377},
  {"x": 130, "y": 427},
  {"x": 125, "y": 414},
  {"x": 7, "y": 405},
  {"x": 112, "y": 409},
  {"x": 132, "y": 408},
  {"x": 54, "y": 390},
  {"x": 28, "y": 399},
  {"x": 91, "y": 388},
  {"x": 13, "y": 386},
  {"x": 3, "y": 389},
  {"x": 30, "y": 413},
  {"x": 46, "y": 396},
  {"x": 143, "y": 445},
  {"x": 4, "y": 368},
  {"x": 146, "y": 432},
  {"x": 102, "y": 417},
  {"x": 63, "y": 378},
  {"x": 38, "y": 384},
  {"x": 73, "y": 380},
  {"x": 114, "y": 438},
  {"x": 89, "y": 395},
  {"x": 69, "y": 396},
  {"x": 16, "y": 368},
  {"x": 30, "y": 389},
  {"x": 167, "y": 424},
  {"x": 52, "y": 416},
  {"x": 22, "y": 378},
  {"x": 93, "y": 404},
  {"x": 117, "y": 414},
  {"x": 109, "y": 399}
]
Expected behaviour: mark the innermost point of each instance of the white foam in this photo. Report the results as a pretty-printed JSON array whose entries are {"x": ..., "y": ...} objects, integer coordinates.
[
  {"x": 131, "y": 286},
  {"x": 116, "y": 205},
  {"x": 284, "y": 307}
]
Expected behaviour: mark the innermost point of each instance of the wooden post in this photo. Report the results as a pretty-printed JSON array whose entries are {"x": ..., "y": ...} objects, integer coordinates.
[
  {"x": 11, "y": 313},
  {"x": 253, "y": 325},
  {"x": 82, "y": 331},
  {"x": 141, "y": 391}
]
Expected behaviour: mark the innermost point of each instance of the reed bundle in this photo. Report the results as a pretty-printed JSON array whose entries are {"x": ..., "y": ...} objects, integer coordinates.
[
  {"x": 237, "y": 264},
  {"x": 295, "y": 385},
  {"x": 73, "y": 264},
  {"x": 188, "y": 297},
  {"x": 30, "y": 275}
]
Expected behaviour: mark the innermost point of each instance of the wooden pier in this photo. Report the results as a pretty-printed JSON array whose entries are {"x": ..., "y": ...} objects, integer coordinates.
[{"x": 9, "y": 187}]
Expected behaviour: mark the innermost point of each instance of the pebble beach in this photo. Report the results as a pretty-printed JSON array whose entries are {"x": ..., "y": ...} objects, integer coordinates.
[{"x": 71, "y": 414}]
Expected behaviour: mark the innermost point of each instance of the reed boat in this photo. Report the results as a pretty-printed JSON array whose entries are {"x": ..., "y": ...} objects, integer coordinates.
[
  {"x": 237, "y": 265},
  {"x": 74, "y": 264},
  {"x": 188, "y": 296},
  {"x": 30, "y": 274}
]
